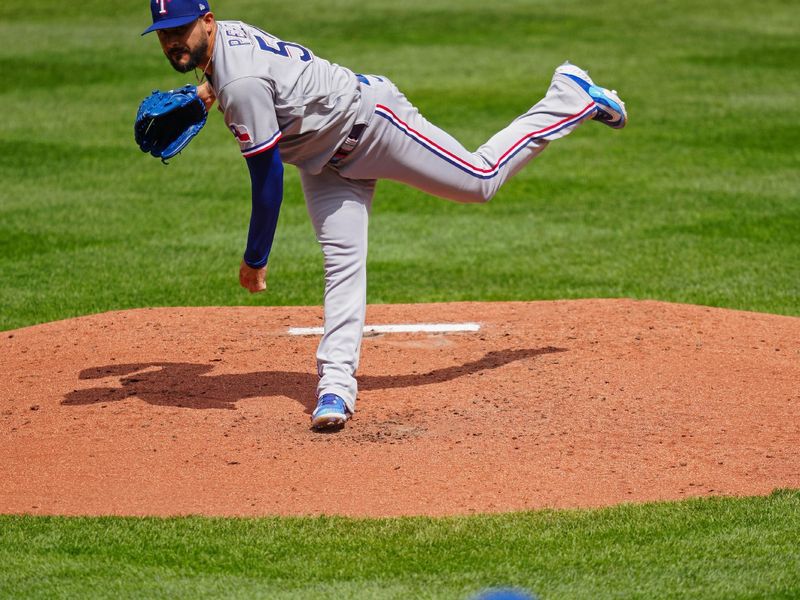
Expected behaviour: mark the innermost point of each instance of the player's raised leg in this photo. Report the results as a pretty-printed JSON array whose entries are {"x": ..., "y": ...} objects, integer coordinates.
[
  {"x": 401, "y": 144},
  {"x": 339, "y": 210},
  {"x": 610, "y": 108}
]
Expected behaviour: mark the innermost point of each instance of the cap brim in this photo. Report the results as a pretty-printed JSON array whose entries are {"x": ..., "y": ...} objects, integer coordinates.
[{"x": 170, "y": 23}]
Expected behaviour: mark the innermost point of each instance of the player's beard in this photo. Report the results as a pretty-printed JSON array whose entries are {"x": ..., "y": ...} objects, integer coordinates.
[{"x": 196, "y": 56}]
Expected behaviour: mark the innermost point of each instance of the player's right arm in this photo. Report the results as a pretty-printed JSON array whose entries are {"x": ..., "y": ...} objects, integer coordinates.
[
  {"x": 248, "y": 106},
  {"x": 266, "y": 177}
]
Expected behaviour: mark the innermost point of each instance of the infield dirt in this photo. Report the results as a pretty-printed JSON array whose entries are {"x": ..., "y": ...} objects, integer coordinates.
[{"x": 551, "y": 404}]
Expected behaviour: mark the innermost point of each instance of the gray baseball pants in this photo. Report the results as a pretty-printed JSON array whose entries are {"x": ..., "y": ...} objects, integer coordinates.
[{"x": 400, "y": 144}]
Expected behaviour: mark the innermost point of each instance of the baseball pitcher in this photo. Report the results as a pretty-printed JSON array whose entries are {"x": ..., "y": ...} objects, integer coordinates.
[{"x": 343, "y": 131}]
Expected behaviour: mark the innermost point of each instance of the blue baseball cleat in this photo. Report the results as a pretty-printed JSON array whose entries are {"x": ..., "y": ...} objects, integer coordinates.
[
  {"x": 331, "y": 411},
  {"x": 610, "y": 109}
]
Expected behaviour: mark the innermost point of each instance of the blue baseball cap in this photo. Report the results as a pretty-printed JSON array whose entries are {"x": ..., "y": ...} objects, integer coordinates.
[{"x": 175, "y": 13}]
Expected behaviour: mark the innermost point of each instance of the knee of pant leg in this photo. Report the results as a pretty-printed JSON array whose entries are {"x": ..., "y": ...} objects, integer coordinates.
[
  {"x": 483, "y": 195},
  {"x": 478, "y": 195},
  {"x": 486, "y": 196}
]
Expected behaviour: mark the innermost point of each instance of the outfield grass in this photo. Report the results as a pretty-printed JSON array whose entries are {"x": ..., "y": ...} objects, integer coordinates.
[
  {"x": 697, "y": 201},
  {"x": 711, "y": 548}
]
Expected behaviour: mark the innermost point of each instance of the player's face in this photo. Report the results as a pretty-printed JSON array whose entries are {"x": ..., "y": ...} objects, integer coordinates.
[{"x": 185, "y": 47}]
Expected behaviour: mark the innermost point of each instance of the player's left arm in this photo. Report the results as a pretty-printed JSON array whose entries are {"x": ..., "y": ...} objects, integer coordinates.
[
  {"x": 207, "y": 95},
  {"x": 266, "y": 177}
]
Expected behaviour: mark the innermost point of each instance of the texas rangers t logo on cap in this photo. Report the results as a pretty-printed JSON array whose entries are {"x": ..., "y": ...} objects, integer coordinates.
[{"x": 175, "y": 13}]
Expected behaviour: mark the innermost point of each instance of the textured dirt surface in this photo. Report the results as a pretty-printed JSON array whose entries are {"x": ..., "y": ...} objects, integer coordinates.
[{"x": 552, "y": 404}]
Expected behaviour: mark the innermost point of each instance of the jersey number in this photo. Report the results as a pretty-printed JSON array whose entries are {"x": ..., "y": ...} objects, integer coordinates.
[{"x": 282, "y": 49}]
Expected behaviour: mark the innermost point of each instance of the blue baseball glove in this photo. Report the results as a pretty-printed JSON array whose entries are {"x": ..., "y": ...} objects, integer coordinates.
[{"x": 167, "y": 121}]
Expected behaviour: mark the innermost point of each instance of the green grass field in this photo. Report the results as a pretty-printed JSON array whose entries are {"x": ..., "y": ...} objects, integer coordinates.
[
  {"x": 697, "y": 201},
  {"x": 714, "y": 548}
]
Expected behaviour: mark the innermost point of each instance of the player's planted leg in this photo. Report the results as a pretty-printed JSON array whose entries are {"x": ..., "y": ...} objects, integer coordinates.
[{"x": 339, "y": 210}]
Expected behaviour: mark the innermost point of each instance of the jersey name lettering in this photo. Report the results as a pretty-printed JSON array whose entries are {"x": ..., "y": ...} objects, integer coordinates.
[{"x": 237, "y": 36}]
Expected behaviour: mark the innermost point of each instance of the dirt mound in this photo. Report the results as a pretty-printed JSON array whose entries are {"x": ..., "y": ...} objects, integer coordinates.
[{"x": 551, "y": 404}]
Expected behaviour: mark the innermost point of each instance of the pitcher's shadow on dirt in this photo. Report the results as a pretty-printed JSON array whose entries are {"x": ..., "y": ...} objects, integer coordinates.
[{"x": 188, "y": 385}]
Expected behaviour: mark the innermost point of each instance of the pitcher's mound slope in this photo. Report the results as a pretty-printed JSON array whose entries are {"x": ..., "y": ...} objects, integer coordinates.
[{"x": 551, "y": 404}]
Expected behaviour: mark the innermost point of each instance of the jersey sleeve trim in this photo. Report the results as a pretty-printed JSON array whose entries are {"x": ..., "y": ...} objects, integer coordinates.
[{"x": 263, "y": 147}]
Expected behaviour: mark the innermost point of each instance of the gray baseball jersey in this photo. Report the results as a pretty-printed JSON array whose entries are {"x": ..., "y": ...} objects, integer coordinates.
[{"x": 272, "y": 91}]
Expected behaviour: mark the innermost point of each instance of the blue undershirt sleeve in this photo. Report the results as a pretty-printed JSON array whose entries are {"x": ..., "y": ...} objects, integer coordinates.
[{"x": 266, "y": 178}]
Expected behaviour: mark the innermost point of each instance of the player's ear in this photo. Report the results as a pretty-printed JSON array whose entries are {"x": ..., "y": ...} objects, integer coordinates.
[{"x": 208, "y": 22}]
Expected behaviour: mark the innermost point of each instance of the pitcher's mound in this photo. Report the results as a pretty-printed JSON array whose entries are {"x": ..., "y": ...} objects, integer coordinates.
[{"x": 550, "y": 404}]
